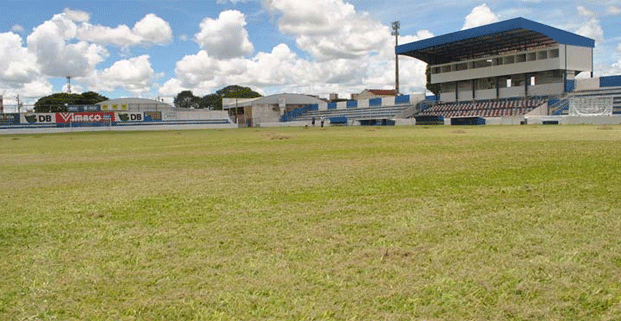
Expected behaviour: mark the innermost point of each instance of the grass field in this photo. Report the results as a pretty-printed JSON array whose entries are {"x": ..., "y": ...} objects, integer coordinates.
[{"x": 405, "y": 223}]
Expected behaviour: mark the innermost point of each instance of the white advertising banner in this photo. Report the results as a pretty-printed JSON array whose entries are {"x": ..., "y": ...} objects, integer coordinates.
[
  {"x": 129, "y": 117},
  {"x": 38, "y": 118},
  {"x": 596, "y": 106}
]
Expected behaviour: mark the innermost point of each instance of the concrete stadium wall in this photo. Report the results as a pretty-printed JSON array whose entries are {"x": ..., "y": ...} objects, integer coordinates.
[
  {"x": 265, "y": 113},
  {"x": 576, "y": 120}
]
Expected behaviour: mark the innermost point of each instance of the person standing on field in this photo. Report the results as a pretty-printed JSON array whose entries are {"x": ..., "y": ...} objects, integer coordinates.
[
  {"x": 323, "y": 119},
  {"x": 313, "y": 121}
]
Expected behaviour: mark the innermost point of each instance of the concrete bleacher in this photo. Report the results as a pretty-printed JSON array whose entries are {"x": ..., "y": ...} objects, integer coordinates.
[
  {"x": 492, "y": 108},
  {"x": 384, "y": 112}
]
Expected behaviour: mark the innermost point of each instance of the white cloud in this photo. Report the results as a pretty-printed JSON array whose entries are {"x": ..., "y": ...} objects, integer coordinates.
[
  {"x": 17, "y": 65},
  {"x": 171, "y": 88},
  {"x": 479, "y": 16},
  {"x": 184, "y": 37},
  {"x": 77, "y": 15},
  {"x": 614, "y": 10},
  {"x": 585, "y": 12},
  {"x": 225, "y": 37},
  {"x": 329, "y": 29},
  {"x": 17, "y": 28},
  {"x": 36, "y": 88},
  {"x": 56, "y": 57},
  {"x": 134, "y": 75},
  {"x": 148, "y": 31},
  {"x": 349, "y": 52},
  {"x": 153, "y": 29},
  {"x": 592, "y": 29}
]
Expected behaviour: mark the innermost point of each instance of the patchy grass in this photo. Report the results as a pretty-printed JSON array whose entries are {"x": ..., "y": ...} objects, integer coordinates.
[{"x": 480, "y": 223}]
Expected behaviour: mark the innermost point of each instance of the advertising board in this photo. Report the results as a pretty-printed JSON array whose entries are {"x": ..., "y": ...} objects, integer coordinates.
[
  {"x": 82, "y": 108},
  {"x": 129, "y": 117},
  {"x": 152, "y": 116},
  {"x": 114, "y": 107},
  {"x": 38, "y": 118},
  {"x": 9, "y": 119},
  {"x": 85, "y": 118}
]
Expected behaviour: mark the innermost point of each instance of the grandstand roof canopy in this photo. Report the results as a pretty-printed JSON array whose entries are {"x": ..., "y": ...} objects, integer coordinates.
[{"x": 517, "y": 34}]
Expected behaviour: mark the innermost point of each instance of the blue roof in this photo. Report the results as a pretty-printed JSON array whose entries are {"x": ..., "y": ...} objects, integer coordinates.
[{"x": 492, "y": 39}]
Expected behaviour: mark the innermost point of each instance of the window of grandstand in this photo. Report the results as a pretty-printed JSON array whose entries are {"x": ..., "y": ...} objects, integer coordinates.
[
  {"x": 509, "y": 60},
  {"x": 542, "y": 55},
  {"x": 482, "y": 63},
  {"x": 554, "y": 53},
  {"x": 520, "y": 58},
  {"x": 462, "y": 66},
  {"x": 532, "y": 56}
]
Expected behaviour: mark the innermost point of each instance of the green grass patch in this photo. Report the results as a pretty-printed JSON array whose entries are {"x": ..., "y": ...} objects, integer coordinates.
[{"x": 341, "y": 223}]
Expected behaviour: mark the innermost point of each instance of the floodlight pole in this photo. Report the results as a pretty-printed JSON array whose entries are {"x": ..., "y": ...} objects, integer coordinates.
[{"x": 395, "y": 32}]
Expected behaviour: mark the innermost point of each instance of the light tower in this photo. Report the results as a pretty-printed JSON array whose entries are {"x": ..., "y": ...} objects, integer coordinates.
[
  {"x": 68, "y": 84},
  {"x": 395, "y": 32}
]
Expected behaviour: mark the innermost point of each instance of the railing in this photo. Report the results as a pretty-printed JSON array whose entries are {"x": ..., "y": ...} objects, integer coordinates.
[
  {"x": 413, "y": 110},
  {"x": 297, "y": 112},
  {"x": 556, "y": 106}
]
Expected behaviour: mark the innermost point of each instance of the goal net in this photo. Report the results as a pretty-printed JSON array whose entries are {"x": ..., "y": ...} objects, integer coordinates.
[{"x": 592, "y": 106}]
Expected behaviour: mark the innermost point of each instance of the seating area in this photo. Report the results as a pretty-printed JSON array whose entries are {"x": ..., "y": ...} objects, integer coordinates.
[
  {"x": 495, "y": 108},
  {"x": 354, "y": 113}
]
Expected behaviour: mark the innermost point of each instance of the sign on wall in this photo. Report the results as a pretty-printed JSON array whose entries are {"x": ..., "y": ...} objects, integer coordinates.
[
  {"x": 114, "y": 107},
  {"x": 126, "y": 117},
  {"x": 82, "y": 108},
  {"x": 152, "y": 116},
  {"x": 86, "y": 117},
  {"x": 40, "y": 118},
  {"x": 9, "y": 119}
]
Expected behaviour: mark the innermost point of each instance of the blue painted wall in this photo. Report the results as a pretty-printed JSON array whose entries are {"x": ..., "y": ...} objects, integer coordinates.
[
  {"x": 375, "y": 102},
  {"x": 611, "y": 81},
  {"x": 570, "y": 85},
  {"x": 352, "y": 104},
  {"x": 404, "y": 99}
]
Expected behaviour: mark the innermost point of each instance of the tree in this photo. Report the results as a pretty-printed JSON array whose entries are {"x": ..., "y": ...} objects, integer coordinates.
[
  {"x": 434, "y": 88},
  {"x": 186, "y": 99},
  {"x": 58, "y": 102},
  {"x": 236, "y": 91}
]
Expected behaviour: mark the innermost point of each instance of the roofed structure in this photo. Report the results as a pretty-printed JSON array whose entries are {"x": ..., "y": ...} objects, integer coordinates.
[
  {"x": 516, "y": 58},
  {"x": 508, "y": 36}
]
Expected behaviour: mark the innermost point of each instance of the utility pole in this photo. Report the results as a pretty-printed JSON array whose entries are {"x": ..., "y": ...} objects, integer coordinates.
[
  {"x": 18, "y": 105},
  {"x": 395, "y": 32}
]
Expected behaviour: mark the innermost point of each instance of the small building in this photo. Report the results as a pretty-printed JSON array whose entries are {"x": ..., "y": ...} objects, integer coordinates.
[
  {"x": 374, "y": 93},
  {"x": 267, "y": 109},
  {"x": 134, "y": 104}
]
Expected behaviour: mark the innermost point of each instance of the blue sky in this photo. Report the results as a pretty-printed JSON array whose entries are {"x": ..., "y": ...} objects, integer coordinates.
[{"x": 158, "y": 48}]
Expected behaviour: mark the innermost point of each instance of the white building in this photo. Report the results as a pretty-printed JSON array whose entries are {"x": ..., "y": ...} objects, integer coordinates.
[
  {"x": 509, "y": 59},
  {"x": 267, "y": 109}
]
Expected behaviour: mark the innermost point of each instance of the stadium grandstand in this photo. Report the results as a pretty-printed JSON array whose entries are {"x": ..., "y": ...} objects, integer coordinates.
[
  {"x": 509, "y": 70},
  {"x": 513, "y": 68}
]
